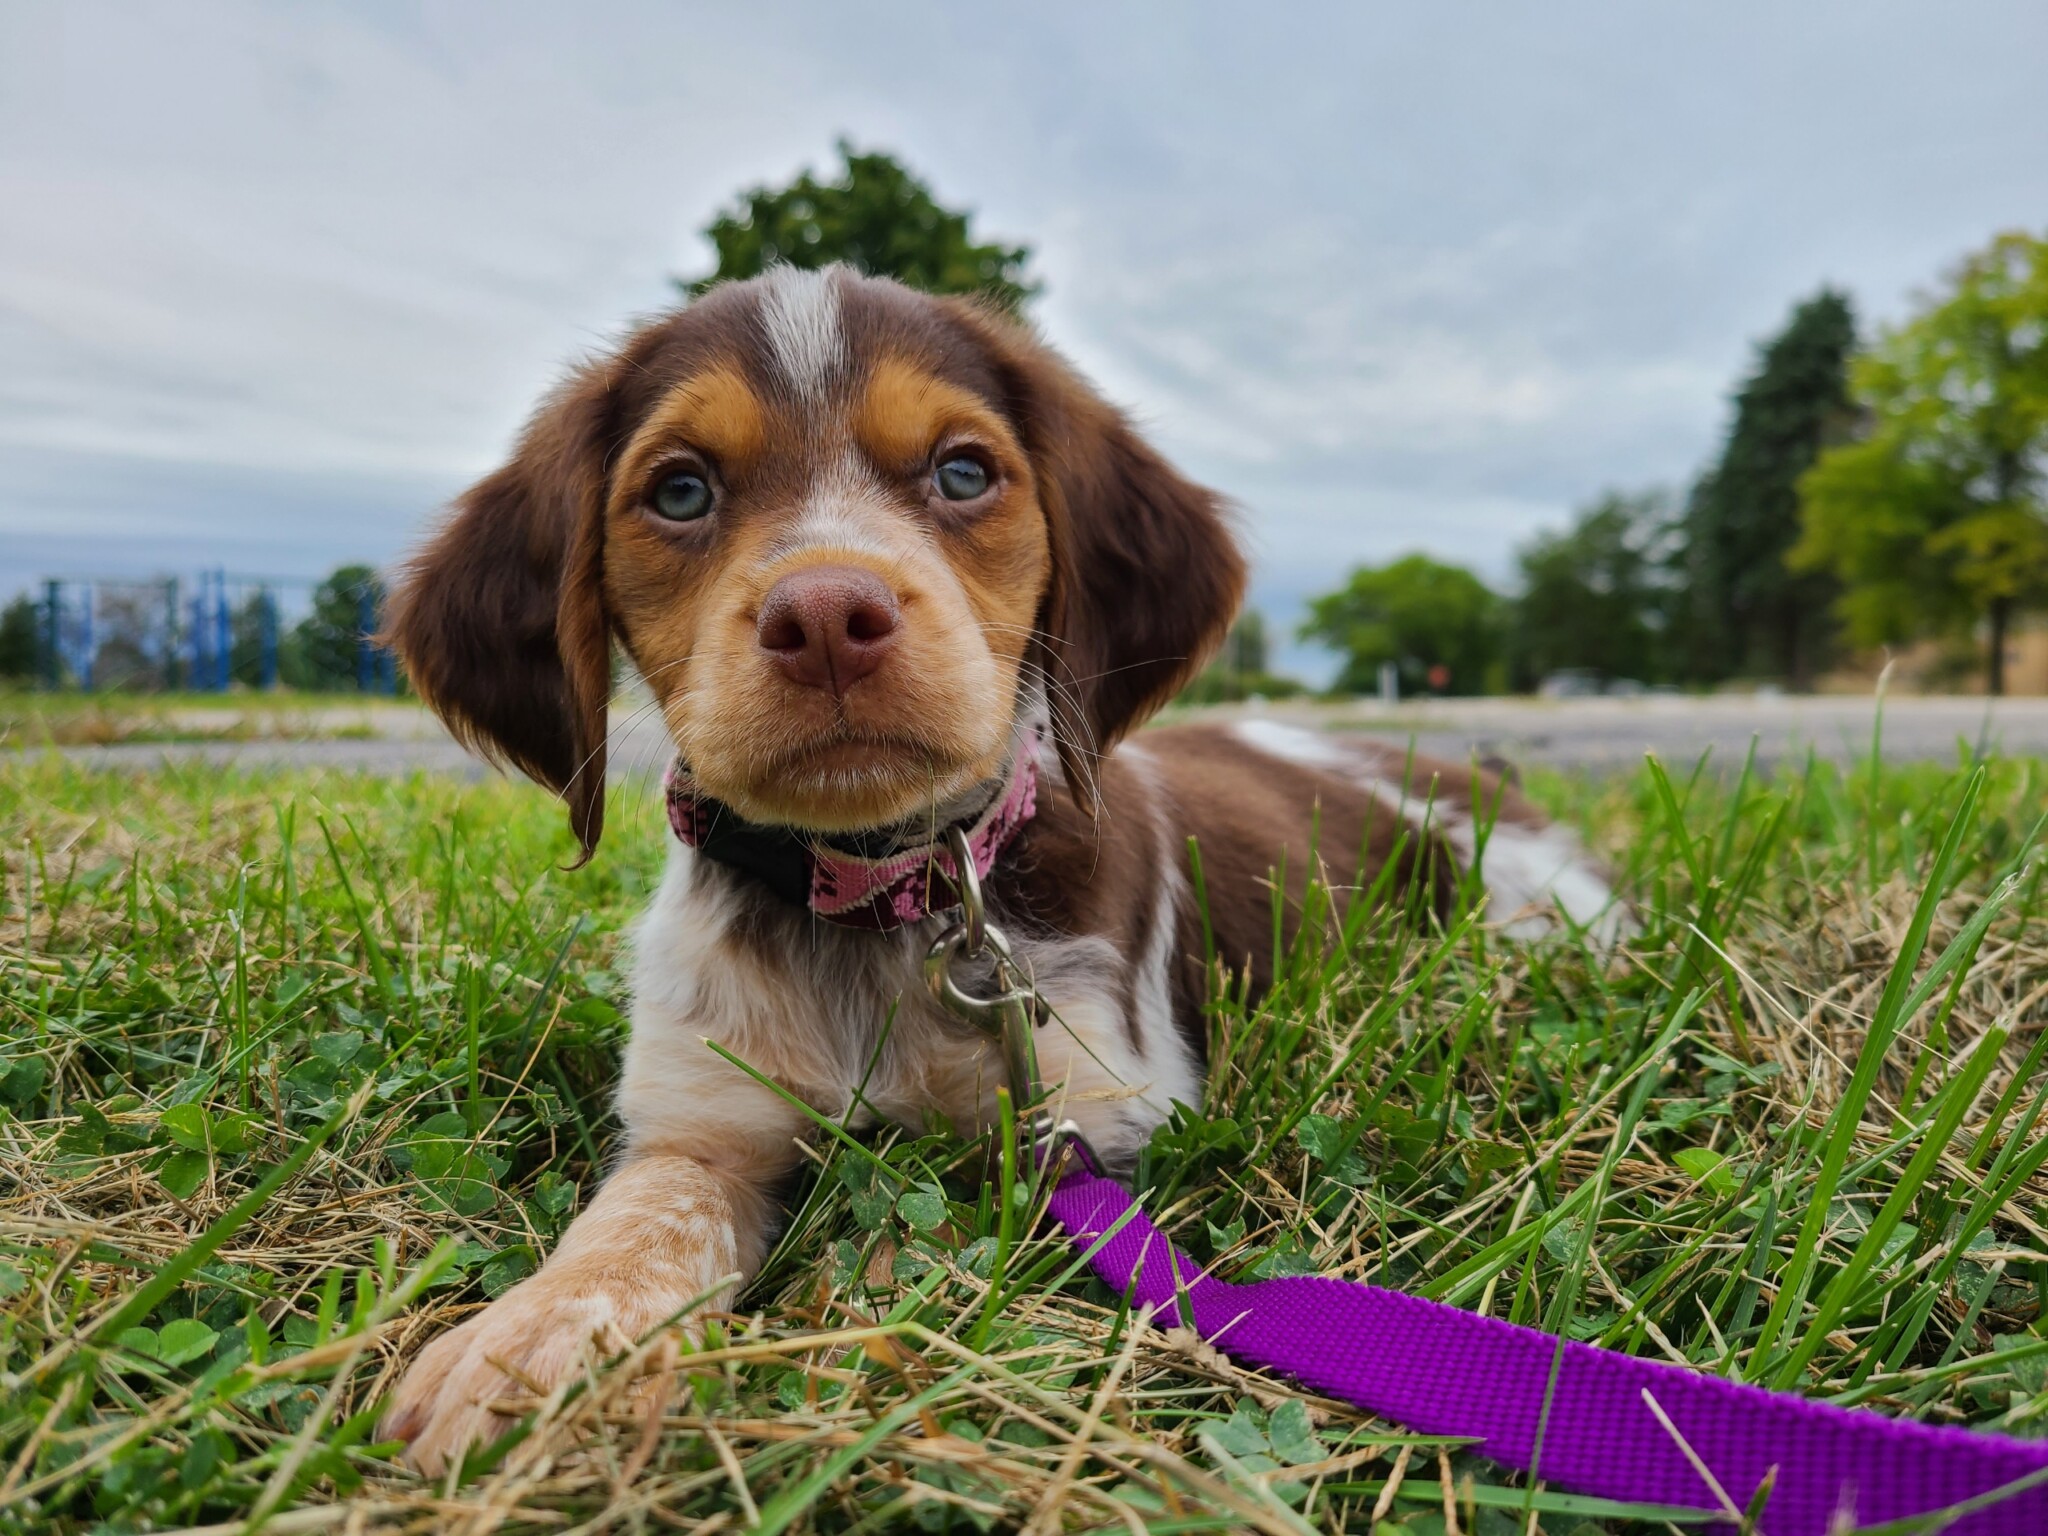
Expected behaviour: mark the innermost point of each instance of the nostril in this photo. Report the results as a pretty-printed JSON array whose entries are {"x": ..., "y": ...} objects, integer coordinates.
[
  {"x": 782, "y": 631},
  {"x": 870, "y": 621}
]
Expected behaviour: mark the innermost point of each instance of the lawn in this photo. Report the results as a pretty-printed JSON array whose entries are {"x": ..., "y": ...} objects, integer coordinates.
[
  {"x": 298, "y": 1070},
  {"x": 34, "y": 719}
]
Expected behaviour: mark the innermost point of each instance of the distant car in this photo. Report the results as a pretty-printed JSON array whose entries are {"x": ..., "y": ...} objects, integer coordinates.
[
  {"x": 1571, "y": 683},
  {"x": 1625, "y": 688}
]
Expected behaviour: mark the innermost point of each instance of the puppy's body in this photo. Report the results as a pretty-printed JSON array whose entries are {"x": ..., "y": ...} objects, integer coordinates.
[{"x": 763, "y": 500}]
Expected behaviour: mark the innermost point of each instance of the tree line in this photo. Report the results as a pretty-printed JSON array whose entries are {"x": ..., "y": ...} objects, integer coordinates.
[{"x": 1864, "y": 494}]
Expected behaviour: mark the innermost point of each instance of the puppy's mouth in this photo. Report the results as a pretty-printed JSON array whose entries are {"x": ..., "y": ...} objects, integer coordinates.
[
  {"x": 848, "y": 780},
  {"x": 848, "y": 751}
]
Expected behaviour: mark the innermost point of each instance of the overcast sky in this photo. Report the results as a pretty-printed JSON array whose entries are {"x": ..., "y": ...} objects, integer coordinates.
[{"x": 276, "y": 280}]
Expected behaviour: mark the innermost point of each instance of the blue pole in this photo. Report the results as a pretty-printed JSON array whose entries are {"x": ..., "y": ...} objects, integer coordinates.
[
  {"x": 223, "y": 633},
  {"x": 170, "y": 633},
  {"x": 52, "y": 658},
  {"x": 202, "y": 637},
  {"x": 268, "y": 614}
]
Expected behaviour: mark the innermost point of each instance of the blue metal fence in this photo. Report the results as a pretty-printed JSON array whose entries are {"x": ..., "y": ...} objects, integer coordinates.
[{"x": 206, "y": 635}]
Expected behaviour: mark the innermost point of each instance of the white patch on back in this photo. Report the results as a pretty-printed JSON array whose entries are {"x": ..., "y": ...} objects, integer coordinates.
[
  {"x": 800, "y": 313},
  {"x": 1314, "y": 749},
  {"x": 1527, "y": 870},
  {"x": 1294, "y": 744}
]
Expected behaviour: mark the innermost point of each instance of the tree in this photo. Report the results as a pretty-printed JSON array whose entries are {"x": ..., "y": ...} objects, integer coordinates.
[
  {"x": 1934, "y": 518},
  {"x": 324, "y": 651},
  {"x": 1598, "y": 596},
  {"x": 131, "y": 649},
  {"x": 20, "y": 638},
  {"x": 875, "y": 216},
  {"x": 1752, "y": 613},
  {"x": 1238, "y": 669},
  {"x": 1417, "y": 613},
  {"x": 252, "y": 629}
]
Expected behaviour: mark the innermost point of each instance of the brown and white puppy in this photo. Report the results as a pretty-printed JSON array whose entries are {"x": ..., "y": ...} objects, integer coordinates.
[{"x": 866, "y": 546}]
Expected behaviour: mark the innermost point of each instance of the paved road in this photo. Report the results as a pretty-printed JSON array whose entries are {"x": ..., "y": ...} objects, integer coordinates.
[
  {"x": 1615, "y": 733},
  {"x": 1594, "y": 734}
]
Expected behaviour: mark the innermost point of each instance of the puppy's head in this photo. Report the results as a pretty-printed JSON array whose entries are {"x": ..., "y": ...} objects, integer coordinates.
[{"x": 846, "y": 532}]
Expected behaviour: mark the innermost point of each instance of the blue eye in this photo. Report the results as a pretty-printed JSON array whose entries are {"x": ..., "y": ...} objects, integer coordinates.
[
  {"x": 682, "y": 497},
  {"x": 961, "y": 479}
]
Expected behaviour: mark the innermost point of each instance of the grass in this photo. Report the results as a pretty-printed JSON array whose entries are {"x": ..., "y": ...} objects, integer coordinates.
[
  {"x": 34, "y": 719},
  {"x": 298, "y": 1070}
]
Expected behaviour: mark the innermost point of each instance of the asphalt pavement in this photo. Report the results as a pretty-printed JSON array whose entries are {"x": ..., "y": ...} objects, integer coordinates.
[
  {"x": 1602, "y": 733},
  {"x": 1593, "y": 734}
]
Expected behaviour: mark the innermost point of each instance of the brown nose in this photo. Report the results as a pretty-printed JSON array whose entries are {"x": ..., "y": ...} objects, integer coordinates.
[{"x": 830, "y": 626}]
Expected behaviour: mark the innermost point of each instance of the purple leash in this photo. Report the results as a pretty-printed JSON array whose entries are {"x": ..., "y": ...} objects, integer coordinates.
[{"x": 1445, "y": 1371}]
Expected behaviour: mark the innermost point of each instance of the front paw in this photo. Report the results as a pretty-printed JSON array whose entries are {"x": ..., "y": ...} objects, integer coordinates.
[{"x": 525, "y": 1341}]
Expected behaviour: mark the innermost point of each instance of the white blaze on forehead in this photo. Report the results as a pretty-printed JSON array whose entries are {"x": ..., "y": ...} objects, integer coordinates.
[
  {"x": 800, "y": 313},
  {"x": 846, "y": 507}
]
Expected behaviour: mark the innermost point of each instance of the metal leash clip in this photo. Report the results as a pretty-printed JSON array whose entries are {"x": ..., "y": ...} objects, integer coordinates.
[{"x": 1011, "y": 1014}]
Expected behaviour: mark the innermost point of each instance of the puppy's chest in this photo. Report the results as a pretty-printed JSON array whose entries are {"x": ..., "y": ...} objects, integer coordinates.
[{"x": 838, "y": 1015}]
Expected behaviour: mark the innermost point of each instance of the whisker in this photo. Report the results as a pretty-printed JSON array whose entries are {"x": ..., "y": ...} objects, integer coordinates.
[{"x": 629, "y": 720}]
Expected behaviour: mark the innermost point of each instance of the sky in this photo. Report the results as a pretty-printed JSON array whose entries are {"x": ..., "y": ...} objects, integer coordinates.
[{"x": 277, "y": 280}]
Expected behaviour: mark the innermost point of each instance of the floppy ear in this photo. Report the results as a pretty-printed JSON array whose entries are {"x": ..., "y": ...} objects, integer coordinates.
[
  {"x": 1146, "y": 572},
  {"x": 501, "y": 620}
]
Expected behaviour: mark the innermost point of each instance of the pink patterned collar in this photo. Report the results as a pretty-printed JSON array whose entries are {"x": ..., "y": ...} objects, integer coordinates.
[{"x": 878, "y": 880}]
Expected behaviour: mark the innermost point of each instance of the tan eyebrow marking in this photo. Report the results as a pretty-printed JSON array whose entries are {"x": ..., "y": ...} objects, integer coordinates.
[
  {"x": 904, "y": 409},
  {"x": 715, "y": 412}
]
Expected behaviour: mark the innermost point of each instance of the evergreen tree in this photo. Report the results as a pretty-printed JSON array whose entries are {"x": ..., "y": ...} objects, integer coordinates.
[
  {"x": 324, "y": 650},
  {"x": 20, "y": 639},
  {"x": 248, "y": 626},
  {"x": 875, "y": 216},
  {"x": 1750, "y": 613}
]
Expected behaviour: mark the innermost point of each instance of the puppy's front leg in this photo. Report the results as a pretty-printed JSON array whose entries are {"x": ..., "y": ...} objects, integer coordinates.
[{"x": 665, "y": 1230}]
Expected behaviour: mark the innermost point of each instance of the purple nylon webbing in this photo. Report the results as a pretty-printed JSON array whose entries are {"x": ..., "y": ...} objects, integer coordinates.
[{"x": 1445, "y": 1371}]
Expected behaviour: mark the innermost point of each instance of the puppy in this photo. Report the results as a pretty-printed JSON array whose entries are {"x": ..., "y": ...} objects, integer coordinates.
[{"x": 890, "y": 568}]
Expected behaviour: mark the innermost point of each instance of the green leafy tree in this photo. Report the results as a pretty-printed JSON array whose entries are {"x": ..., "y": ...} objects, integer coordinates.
[
  {"x": 1599, "y": 596},
  {"x": 876, "y": 216},
  {"x": 324, "y": 648},
  {"x": 129, "y": 650},
  {"x": 1934, "y": 518},
  {"x": 1750, "y": 612},
  {"x": 20, "y": 626},
  {"x": 1420, "y": 614}
]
